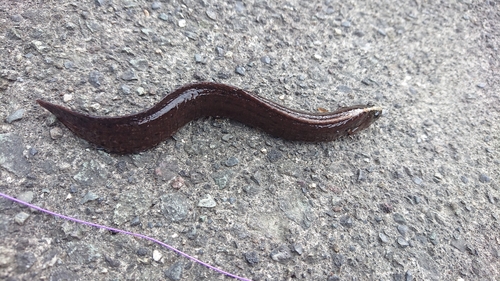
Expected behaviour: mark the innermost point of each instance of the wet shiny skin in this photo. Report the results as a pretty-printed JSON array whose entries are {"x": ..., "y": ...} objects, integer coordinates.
[{"x": 144, "y": 130}]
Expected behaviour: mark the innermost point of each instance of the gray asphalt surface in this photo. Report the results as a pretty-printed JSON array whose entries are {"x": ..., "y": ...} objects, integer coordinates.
[{"x": 414, "y": 197}]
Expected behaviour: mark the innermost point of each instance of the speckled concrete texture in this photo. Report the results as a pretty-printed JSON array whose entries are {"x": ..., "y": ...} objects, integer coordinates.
[{"x": 414, "y": 197}]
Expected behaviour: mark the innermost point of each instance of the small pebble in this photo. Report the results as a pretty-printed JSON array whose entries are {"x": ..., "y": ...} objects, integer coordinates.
[
  {"x": 139, "y": 64},
  {"x": 182, "y": 23},
  {"x": 220, "y": 51},
  {"x": 281, "y": 254},
  {"x": 21, "y": 217},
  {"x": 484, "y": 178},
  {"x": 399, "y": 218},
  {"x": 232, "y": 161},
  {"x": 198, "y": 58},
  {"x": 211, "y": 14},
  {"x": 252, "y": 258},
  {"x": 402, "y": 242},
  {"x": 16, "y": 115},
  {"x": 157, "y": 255},
  {"x": 223, "y": 75},
  {"x": 298, "y": 249},
  {"x": 56, "y": 133},
  {"x": 274, "y": 155},
  {"x": 9, "y": 74},
  {"x": 346, "y": 221},
  {"x": 383, "y": 237},
  {"x": 129, "y": 75},
  {"x": 156, "y": 5},
  {"x": 146, "y": 31},
  {"x": 361, "y": 175},
  {"x": 174, "y": 272},
  {"x": 142, "y": 252},
  {"x": 464, "y": 179},
  {"x": 33, "y": 151},
  {"x": 366, "y": 81},
  {"x": 95, "y": 106},
  {"x": 491, "y": 198},
  {"x": 481, "y": 85},
  {"x": 240, "y": 70},
  {"x": 207, "y": 202},
  {"x": 135, "y": 221},
  {"x": 16, "y": 18},
  {"x": 26, "y": 196},
  {"x": 403, "y": 229},
  {"x": 177, "y": 182},
  {"x": 163, "y": 17},
  {"x": 227, "y": 137},
  {"x": 95, "y": 78},
  {"x": 90, "y": 196},
  {"x": 409, "y": 276},
  {"x": 346, "y": 23},
  {"x": 344, "y": 89},
  {"x": 69, "y": 64},
  {"x": 266, "y": 60},
  {"x": 125, "y": 89},
  {"x": 417, "y": 180},
  {"x": 67, "y": 97}
]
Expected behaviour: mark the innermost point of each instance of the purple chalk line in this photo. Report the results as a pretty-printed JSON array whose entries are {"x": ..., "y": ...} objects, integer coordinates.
[{"x": 127, "y": 233}]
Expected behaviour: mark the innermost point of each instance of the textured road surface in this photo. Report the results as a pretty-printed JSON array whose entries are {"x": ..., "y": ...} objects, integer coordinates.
[{"x": 415, "y": 197}]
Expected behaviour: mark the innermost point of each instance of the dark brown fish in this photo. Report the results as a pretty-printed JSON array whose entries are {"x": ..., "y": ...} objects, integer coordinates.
[{"x": 144, "y": 130}]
